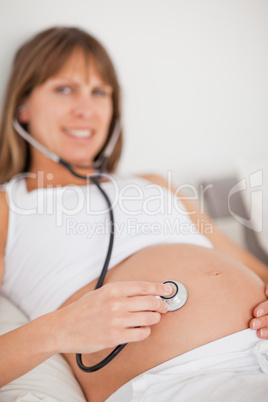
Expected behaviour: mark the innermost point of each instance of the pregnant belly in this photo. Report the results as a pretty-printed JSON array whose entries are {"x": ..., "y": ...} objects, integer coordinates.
[{"x": 222, "y": 295}]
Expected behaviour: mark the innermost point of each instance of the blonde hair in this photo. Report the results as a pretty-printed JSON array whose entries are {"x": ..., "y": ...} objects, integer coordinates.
[{"x": 36, "y": 61}]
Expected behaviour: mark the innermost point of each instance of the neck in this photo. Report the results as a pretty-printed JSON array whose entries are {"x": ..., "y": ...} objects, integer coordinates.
[{"x": 44, "y": 173}]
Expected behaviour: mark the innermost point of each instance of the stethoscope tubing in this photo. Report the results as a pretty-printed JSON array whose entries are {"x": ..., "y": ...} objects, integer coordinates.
[{"x": 114, "y": 353}]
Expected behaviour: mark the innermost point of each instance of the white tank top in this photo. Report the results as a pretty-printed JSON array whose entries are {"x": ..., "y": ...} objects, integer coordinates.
[{"x": 58, "y": 237}]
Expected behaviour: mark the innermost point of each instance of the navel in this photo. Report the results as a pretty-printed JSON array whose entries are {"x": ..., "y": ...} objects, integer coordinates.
[{"x": 214, "y": 273}]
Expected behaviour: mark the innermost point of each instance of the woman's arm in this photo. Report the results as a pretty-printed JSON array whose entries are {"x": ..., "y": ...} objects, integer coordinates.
[
  {"x": 114, "y": 314},
  {"x": 220, "y": 241},
  {"x": 24, "y": 348},
  {"x": 224, "y": 244},
  {"x": 3, "y": 230}
]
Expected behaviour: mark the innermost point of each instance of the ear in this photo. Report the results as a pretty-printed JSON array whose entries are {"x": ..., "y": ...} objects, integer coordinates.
[{"x": 23, "y": 113}]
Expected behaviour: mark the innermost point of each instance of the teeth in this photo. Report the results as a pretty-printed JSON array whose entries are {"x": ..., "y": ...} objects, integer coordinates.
[{"x": 80, "y": 133}]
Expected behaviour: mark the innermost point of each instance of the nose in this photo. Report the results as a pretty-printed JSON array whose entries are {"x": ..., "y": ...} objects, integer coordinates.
[{"x": 84, "y": 107}]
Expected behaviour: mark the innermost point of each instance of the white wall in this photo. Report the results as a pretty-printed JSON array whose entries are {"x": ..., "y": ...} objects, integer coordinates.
[{"x": 193, "y": 73}]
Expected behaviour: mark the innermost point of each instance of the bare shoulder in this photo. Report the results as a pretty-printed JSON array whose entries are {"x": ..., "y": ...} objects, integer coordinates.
[
  {"x": 3, "y": 229},
  {"x": 156, "y": 179},
  {"x": 161, "y": 181},
  {"x": 3, "y": 211}
]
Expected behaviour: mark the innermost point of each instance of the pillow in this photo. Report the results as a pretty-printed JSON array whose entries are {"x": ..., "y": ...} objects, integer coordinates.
[{"x": 51, "y": 381}]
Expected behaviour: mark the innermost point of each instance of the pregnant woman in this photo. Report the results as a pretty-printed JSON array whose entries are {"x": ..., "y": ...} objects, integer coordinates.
[{"x": 54, "y": 235}]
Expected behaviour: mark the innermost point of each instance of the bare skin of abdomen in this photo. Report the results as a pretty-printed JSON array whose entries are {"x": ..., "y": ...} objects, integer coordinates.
[{"x": 222, "y": 295}]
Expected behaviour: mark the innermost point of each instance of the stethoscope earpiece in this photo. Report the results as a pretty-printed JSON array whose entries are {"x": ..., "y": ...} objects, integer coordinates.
[{"x": 99, "y": 165}]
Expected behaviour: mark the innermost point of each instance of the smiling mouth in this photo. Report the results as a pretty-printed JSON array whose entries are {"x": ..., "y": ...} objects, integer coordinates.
[{"x": 79, "y": 133}]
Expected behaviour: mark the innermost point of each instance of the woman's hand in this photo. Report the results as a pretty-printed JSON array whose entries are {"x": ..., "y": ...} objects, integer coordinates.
[
  {"x": 114, "y": 314},
  {"x": 261, "y": 321}
]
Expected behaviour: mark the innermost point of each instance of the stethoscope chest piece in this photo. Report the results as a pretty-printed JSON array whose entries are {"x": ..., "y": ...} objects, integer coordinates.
[{"x": 178, "y": 298}]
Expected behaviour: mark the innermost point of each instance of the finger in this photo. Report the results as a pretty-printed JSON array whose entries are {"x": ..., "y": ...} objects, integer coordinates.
[
  {"x": 141, "y": 319},
  {"x": 266, "y": 290},
  {"x": 261, "y": 309},
  {"x": 139, "y": 288},
  {"x": 145, "y": 303},
  {"x": 258, "y": 323},
  {"x": 135, "y": 334},
  {"x": 263, "y": 333}
]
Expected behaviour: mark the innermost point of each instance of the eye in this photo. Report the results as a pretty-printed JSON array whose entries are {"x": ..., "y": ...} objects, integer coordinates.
[
  {"x": 64, "y": 89},
  {"x": 99, "y": 92},
  {"x": 102, "y": 92}
]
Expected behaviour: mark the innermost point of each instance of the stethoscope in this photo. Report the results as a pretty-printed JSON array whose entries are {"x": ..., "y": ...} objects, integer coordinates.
[{"x": 179, "y": 295}]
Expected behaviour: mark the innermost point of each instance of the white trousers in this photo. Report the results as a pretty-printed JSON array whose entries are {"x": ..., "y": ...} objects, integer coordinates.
[{"x": 233, "y": 368}]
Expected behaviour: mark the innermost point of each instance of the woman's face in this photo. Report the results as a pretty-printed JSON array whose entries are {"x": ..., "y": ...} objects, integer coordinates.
[{"x": 71, "y": 112}]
